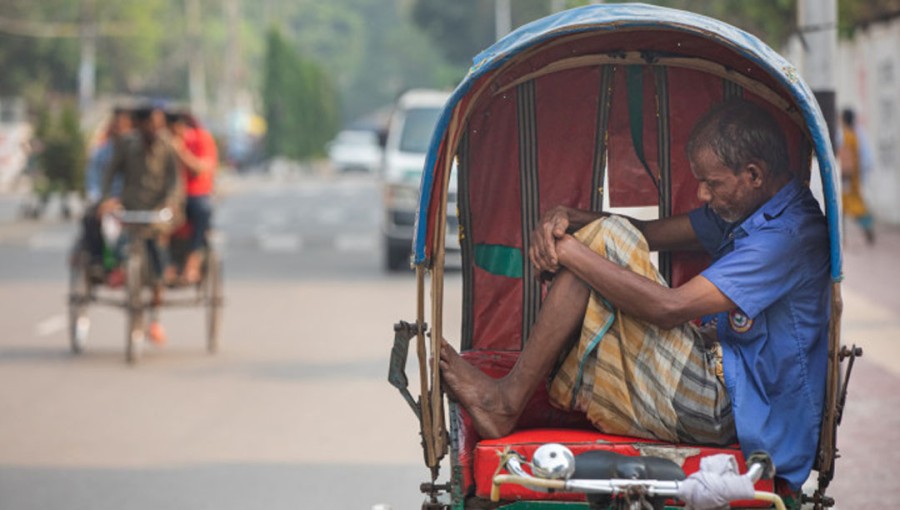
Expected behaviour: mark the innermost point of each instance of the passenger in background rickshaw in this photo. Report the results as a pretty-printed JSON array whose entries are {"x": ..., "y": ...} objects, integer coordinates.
[
  {"x": 755, "y": 367},
  {"x": 147, "y": 165},
  {"x": 119, "y": 124},
  {"x": 197, "y": 153}
]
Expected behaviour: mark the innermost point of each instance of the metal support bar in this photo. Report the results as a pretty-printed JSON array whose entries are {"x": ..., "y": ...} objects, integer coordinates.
[
  {"x": 851, "y": 353},
  {"x": 403, "y": 333}
]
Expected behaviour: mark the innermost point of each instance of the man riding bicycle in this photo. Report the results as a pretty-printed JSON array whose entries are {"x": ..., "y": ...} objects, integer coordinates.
[{"x": 146, "y": 164}]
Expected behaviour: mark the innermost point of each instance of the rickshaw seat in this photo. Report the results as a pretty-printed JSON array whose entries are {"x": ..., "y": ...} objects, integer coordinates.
[{"x": 542, "y": 423}]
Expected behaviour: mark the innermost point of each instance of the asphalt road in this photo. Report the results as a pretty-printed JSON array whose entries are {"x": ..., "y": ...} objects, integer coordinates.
[{"x": 295, "y": 412}]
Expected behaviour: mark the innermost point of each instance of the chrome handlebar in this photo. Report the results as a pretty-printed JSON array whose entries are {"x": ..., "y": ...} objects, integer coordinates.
[
  {"x": 557, "y": 477},
  {"x": 135, "y": 217}
]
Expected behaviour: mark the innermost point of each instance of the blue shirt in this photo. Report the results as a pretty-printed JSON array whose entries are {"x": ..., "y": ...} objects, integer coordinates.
[
  {"x": 93, "y": 174},
  {"x": 774, "y": 266}
]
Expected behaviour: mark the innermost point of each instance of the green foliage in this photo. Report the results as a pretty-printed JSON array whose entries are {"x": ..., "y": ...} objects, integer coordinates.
[
  {"x": 63, "y": 157},
  {"x": 774, "y": 21},
  {"x": 463, "y": 28},
  {"x": 130, "y": 57},
  {"x": 301, "y": 106}
]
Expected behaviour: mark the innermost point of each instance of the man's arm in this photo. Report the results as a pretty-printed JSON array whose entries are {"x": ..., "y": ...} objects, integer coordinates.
[
  {"x": 194, "y": 163},
  {"x": 174, "y": 184},
  {"x": 639, "y": 296},
  {"x": 668, "y": 234},
  {"x": 675, "y": 233},
  {"x": 113, "y": 166},
  {"x": 93, "y": 175}
]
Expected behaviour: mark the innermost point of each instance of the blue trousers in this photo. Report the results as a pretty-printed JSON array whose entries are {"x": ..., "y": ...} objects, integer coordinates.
[{"x": 199, "y": 213}]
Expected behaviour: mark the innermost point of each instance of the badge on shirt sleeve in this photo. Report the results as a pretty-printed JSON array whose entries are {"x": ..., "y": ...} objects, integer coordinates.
[{"x": 739, "y": 322}]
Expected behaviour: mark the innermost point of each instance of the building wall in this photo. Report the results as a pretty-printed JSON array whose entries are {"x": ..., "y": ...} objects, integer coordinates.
[{"x": 869, "y": 82}]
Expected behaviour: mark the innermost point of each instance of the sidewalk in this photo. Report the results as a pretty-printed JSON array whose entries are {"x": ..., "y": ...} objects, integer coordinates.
[{"x": 865, "y": 475}]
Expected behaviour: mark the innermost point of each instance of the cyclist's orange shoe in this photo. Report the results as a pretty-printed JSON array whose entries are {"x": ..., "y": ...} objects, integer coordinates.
[{"x": 156, "y": 333}]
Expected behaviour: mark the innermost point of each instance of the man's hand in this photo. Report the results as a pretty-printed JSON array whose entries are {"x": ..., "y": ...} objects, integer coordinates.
[
  {"x": 542, "y": 252},
  {"x": 108, "y": 206}
]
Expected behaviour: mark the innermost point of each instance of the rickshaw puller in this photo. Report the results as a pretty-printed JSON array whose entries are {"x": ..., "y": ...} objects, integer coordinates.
[
  {"x": 755, "y": 368},
  {"x": 146, "y": 164}
]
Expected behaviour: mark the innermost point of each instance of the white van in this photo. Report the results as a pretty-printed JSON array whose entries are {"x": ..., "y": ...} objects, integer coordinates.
[{"x": 409, "y": 133}]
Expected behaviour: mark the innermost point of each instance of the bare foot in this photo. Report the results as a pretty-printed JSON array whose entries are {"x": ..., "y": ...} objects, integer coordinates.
[{"x": 483, "y": 397}]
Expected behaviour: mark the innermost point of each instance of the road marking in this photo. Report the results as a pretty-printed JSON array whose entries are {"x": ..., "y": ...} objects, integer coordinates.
[
  {"x": 279, "y": 243},
  {"x": 355, "y": 243},
  {"x": 50, "y": 241},
  {"x": 330, "y": 216},
  {"x": 50, "y": 325}
]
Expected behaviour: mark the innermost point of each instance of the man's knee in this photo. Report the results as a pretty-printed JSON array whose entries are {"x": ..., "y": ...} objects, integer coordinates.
[{"x": 609, "y": 227}]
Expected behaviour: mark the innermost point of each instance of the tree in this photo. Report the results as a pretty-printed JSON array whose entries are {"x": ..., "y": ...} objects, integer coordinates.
[
  {"x": 63, "y": 158},
  {"x": 301, "y": 107},
  {"x": 465, "y": 27}
]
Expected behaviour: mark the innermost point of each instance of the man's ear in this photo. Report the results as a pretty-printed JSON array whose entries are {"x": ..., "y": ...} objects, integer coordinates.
[{"x": 757, "y": 174}]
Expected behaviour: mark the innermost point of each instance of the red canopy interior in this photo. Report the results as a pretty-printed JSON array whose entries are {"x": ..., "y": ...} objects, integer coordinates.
[{"x": 542, "y": 130}]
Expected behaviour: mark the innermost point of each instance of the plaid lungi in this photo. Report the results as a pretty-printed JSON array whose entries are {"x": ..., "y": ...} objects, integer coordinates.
[{"x": 636, "y": 379}]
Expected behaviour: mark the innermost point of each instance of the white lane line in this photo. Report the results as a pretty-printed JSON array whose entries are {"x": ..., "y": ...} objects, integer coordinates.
[
  {"x": 330, "y": 216},
  {"x": 346, "y": 243},
  {"x": 50, "y": 241},
  {"x": 50, "y": 325},
  {"x": 279, "y": 243}
]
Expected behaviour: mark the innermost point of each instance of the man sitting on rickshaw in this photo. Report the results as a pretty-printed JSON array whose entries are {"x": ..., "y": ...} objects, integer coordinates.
[{"x": 753, "y": 370}]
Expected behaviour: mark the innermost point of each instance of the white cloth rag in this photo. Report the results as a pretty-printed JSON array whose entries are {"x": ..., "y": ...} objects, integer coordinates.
[{"x": 715, "y": 484}]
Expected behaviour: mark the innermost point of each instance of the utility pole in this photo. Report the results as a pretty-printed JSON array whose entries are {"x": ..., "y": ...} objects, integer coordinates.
[
  {"x": 196, "y": 67},
  {"x": 87, "y": 68},
  {"x": 503, "y": 18},
  {"x": 817, "y": 20},
  {"x": 229, "y": 87}
]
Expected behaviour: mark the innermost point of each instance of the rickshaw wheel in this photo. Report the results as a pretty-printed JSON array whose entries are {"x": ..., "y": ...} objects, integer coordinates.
[
  {"x": 134, "y": 278},
  {"x": 213, "y": 294},
  {"x": 79, "y": 294}
]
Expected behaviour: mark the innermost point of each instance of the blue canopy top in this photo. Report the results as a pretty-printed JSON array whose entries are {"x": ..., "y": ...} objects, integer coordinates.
[{"x": 612, "y": 17}]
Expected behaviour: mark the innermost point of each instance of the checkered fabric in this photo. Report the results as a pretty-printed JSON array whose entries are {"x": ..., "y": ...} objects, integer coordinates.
[{"x": 633, "y": 378}]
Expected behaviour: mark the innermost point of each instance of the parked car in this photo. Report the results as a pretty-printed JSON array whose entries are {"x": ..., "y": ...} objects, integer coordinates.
[
  {"x": 355, "y": 150},
  {"x": 409, "y": 133}
]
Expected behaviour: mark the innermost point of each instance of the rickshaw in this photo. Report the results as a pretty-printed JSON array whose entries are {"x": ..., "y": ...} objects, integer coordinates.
[
  {"x": 587, "y": 108},
  {"x": 134, "y": 293}
]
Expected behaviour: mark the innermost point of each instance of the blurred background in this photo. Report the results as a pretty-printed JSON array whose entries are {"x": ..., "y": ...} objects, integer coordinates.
[{"x": 313, "y": 209}]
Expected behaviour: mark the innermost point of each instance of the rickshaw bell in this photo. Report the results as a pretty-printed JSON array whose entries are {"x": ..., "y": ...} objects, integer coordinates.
[{"x": 754, "y": 367}]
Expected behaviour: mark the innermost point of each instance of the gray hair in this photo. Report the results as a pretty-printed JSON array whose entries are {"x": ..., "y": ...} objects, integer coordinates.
[{"x": 740, "y": 132}]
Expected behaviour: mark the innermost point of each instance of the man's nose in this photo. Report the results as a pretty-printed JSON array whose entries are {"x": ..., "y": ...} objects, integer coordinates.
[{"x": 703, "y": 193}]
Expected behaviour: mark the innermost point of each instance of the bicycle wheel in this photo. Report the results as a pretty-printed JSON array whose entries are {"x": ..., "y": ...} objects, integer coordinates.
[
  {"x": 134, "y": 285},
  {"x": 213, "y": 294},
  {"x": 79, "y": 296}
]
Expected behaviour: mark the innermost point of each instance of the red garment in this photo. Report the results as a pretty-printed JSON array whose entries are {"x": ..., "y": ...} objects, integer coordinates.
[{"x": 202, "y": 145}]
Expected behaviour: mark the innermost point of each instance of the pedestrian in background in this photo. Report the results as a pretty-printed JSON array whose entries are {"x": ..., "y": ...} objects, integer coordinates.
[{"x": 850, "y": 155}]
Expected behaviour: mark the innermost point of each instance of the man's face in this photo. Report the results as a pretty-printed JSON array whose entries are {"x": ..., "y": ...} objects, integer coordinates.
[
  {"x": 122, "y": 123},
  {"x": 732, "y": 196}
]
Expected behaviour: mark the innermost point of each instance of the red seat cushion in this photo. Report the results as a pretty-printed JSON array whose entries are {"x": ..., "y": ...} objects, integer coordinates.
[{"x": 542, "y": 423}]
